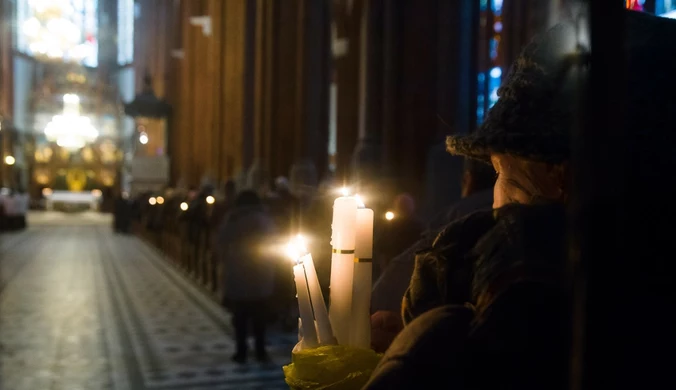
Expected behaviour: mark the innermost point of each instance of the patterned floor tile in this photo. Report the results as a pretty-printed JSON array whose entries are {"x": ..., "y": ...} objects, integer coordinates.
[{"x": 82, "y": 308}]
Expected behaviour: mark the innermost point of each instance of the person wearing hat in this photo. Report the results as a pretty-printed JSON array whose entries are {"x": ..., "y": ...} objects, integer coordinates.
[{"x": 485, "y": 305}]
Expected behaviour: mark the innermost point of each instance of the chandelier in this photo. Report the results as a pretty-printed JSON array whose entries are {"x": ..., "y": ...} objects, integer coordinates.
[{"x": 70, "y": 130}]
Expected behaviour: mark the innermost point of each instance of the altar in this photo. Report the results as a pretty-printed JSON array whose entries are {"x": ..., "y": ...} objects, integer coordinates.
[{"x": 71, "y": 199}]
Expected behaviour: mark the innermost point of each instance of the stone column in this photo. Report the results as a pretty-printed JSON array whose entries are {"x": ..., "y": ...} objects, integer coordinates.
[
  {"x": 312, "y": 120},
  {"x": 347, "y": 23},
  {"x": 367, "y": 156}
]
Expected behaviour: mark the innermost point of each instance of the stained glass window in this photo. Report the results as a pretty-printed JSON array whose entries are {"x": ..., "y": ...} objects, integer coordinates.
[
  {"x": 636, "y": 5},
  {"x": 666, "y": 8},
  {"x": 59, "y": 30},
  {"x": 663, "y": 8},
  {"x": 125, "y": 31}
]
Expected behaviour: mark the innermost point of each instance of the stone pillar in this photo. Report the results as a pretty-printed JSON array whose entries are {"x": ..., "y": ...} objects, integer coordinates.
[
  {"x": 313, "y": 85},
  {"x": 367, "y": 156}
]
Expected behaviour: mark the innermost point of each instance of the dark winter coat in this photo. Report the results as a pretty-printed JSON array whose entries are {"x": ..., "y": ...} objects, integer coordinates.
[
  {"x": 244, "y": 247},
  {"x": 486, "y": 307}
]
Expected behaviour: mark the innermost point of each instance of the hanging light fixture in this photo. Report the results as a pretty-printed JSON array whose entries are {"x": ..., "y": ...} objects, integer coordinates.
[
  {"x": 143, "y": 138},
  {"x": 70, "y": 130}
]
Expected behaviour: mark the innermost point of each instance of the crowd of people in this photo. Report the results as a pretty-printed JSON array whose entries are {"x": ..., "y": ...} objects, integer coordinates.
[{"x": 242, "y": 232}]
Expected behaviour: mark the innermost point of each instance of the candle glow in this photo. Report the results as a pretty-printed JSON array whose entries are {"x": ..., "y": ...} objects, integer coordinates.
[
  {"x": 296, "y": 248},
  {"x": 360, "y": 201}
]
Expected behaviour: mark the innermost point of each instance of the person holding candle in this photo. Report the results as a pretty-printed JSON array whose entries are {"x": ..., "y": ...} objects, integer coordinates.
[
  {"x": 486, "y": 304},
  {"x": 390, "y": 288},
  {"x": 248, "y": 270},
  {"x": 514, "y": 331}
]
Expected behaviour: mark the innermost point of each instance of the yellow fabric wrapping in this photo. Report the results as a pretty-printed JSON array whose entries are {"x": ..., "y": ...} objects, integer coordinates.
[{"x": 331, "y": 367}]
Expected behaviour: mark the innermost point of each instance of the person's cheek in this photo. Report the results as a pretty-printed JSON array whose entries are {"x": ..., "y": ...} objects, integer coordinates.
[{"x": 499, "y": 194}]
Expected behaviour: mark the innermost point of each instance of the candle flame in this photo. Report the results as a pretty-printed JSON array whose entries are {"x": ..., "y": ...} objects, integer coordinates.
[
  {"x": 389, "y": 215},
  {"x": 296, "y": 248},
  {"x": 360, "y": 202},
  {"x": 345, "y": 191}
]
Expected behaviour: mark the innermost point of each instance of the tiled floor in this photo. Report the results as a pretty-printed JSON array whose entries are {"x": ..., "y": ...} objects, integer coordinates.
[{"x": 82, "y": 308}]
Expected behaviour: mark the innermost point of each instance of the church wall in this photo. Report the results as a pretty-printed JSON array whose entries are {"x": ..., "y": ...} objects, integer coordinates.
[{"x": 254, "y": 90}]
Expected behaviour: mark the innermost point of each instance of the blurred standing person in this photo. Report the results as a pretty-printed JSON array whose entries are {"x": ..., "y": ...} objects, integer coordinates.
[
  {"x": 219, "y": 212},
  {"x": 223, "y": 206},
  {"x": 388, "y": 291},
  {"x": 399, "y": 232},
  {"x": 285, "y": 209},
  {"x": 122, "y": 213},
  {"x": 198, "y": 215},
  {"x": 248, "y": 271},
  {"x": 476, "y": 192}
]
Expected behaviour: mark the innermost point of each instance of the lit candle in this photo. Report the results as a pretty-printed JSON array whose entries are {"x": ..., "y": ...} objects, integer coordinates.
[
  {"x": 324, "y": 331},
  {"x": 342, "y": 266},
  {"x": 363, "y": 271},
  {"x": 309, "y": 333}
]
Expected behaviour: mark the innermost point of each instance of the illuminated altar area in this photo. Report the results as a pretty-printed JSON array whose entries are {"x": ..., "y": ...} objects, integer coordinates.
[{"x": 74, "y": 144}]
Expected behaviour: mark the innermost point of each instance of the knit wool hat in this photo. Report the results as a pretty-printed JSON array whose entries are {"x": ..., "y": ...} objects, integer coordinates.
[{"x": 534, "y": 114}]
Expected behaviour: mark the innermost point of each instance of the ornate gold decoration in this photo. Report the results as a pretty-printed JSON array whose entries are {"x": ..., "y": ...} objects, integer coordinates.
[
  {"x": 76, "y": 179},
  {"x": 87, "y": 154},
  {"x": 43, "y": 154},
  {"x": 107, "y": 177},
  {"x": 41, "y": 178}
]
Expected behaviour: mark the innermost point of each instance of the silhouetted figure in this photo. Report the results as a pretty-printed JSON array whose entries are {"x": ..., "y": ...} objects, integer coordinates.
[
  {"x": 285, "y": 207},
  {"x": 487, "y": 305},
  {"x": 197, "y": 215},
  {"x": 400, "y": 232},
  {"x": 244, "y": 242},
  {"x": 122, "y": 213},
  {"x": 223, "y": 206},
  {"x": 477, "y": 191}
]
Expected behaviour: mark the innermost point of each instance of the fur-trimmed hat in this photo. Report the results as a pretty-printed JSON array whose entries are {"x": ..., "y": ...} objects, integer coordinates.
[{"x": 534, "y": 114}]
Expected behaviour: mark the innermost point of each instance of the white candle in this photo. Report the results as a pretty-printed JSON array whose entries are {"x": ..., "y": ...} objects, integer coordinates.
[
  {"x": 363, "y": 271},
  {"x": 342, "y": 267},
  {"x": 309, "y": 333},
  {"x": 324, "y": 331}
]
